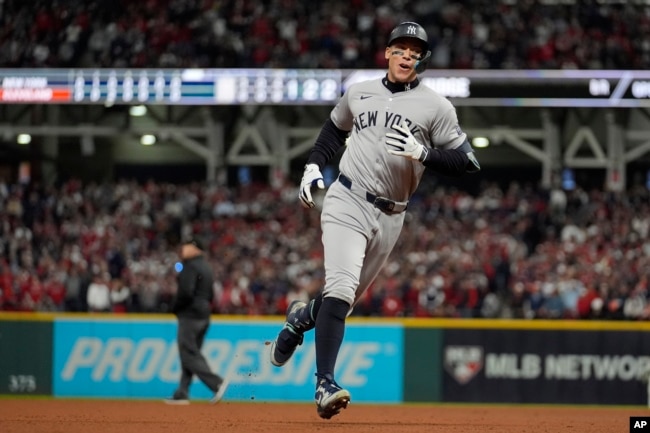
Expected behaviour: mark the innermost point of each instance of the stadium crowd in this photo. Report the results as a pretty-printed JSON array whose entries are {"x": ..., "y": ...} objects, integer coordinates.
[
  {"x": 504, "y": 252},
  {"x": 475, "y": 34},
  {"x": 516, "y": 252}
]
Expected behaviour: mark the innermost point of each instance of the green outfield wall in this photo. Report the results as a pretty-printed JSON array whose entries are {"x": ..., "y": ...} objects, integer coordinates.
[{"x": 26, "y": 355}]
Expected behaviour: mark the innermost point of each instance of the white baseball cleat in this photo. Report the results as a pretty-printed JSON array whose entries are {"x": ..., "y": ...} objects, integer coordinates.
[
  {"x": 218, "y": 396},
  {"x": 330, "y": 397},
  {"x": 290, "y": 337}
]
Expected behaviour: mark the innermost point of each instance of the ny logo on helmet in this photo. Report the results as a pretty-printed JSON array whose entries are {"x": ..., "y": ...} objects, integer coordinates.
[{"x": 410, "y": 30}]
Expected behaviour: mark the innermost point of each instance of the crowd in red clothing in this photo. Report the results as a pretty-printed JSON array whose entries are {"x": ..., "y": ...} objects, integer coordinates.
[
  {"x": 513, "y": 252},
  {"x": 520, "y": 252},
  {"x": 477, "y": 34}
]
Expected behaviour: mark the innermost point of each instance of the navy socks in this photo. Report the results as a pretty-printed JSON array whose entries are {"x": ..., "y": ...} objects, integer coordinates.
[{"x": 330, "y": 328}]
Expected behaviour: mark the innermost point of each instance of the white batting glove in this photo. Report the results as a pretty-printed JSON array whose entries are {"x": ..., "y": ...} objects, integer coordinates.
[
  {"x": 404, "y": 144},
  {"x": 310, "y": 178}
]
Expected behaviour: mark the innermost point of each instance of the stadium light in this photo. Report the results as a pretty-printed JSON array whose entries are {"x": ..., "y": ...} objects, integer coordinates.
[
  {"x": 138, "y": 110},
  {"x": 148, "y": 140},
  {"x": 23, "y": 139},
  {"x": 480, "y": 142}
]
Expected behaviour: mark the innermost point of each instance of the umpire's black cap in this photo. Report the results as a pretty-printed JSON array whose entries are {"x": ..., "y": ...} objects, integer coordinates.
[{"x": 194, "y": 240}]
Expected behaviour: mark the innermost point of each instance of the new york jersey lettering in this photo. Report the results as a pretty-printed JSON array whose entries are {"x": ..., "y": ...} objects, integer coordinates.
[
  {"x": 365, "y": 120},
  {"x": 396, "y": 119}
]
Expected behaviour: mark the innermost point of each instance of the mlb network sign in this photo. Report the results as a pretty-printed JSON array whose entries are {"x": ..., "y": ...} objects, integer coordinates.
[
  {"x": 109, "y": 358},
  {"x": 599, "y": 367},
  {"x": 464, "y": 362}
]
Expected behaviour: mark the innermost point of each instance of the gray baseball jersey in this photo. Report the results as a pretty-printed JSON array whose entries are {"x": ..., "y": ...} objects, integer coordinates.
[
  {"x": 368, "y": 109},
  {"x": 358, "y": 237}
]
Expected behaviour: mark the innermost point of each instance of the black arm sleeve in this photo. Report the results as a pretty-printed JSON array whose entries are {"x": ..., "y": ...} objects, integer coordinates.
[
  {"x": 329, "y": 141},
  {"x": 450, "y": 162}
]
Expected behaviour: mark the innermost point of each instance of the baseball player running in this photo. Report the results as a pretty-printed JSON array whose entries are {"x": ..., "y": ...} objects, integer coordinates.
[{"x": 397, "y": 127}]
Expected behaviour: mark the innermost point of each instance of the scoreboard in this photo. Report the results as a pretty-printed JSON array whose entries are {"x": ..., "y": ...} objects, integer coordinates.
[
  {"x": 534, "y": 88},
  {"x": 498, "y": 88},
  {"x": 171, "y": 87}
]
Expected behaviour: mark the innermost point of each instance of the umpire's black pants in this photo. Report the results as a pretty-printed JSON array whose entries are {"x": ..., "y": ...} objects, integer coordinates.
[{"x": 191, "y": 333}]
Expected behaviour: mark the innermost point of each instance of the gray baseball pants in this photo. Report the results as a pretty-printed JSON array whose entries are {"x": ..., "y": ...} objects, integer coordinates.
[{"x": 191, "y": 333}]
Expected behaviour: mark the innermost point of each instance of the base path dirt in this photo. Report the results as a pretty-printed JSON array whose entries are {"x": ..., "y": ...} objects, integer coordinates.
[{"x": 124, "y": 416}]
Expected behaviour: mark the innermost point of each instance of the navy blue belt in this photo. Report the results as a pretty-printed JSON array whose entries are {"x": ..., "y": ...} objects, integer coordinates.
[{"x": 382, "y": 203}]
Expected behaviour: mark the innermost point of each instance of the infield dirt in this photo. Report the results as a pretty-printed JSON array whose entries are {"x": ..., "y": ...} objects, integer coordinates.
[{"x": 125, "y": 416}]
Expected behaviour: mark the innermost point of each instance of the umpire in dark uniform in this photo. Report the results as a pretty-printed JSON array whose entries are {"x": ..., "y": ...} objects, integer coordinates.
[{"x": 192, "y": 307}]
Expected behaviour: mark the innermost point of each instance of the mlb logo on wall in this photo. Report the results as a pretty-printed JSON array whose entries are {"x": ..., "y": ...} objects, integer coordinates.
[{"x": 463, "y": 362}]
